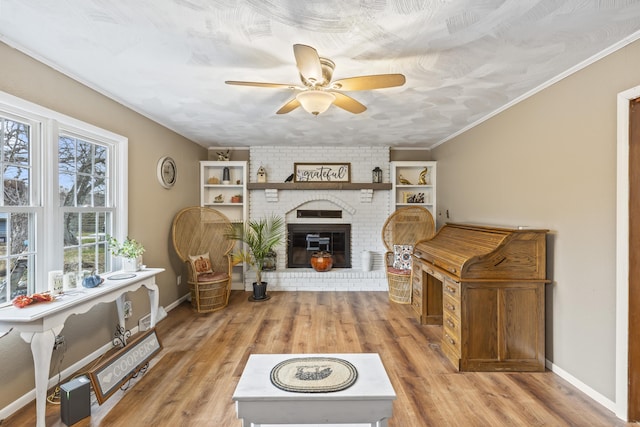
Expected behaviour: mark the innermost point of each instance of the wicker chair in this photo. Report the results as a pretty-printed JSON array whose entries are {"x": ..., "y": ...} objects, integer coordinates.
[
  {"x": 404, "y": 227},
  {"x": 197, "y": 231}
]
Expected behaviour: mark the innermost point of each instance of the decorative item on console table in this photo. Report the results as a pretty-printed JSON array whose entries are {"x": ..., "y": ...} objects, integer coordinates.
[
  {"x": 130, "y": 250},
  {"x": 259, "y": 236}
]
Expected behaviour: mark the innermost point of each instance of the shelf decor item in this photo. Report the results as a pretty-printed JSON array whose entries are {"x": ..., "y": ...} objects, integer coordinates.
[
  {"x": 262, "y": 174},
  {"x": 376, "y": 177},
  {"x": 225, "y": 176},
  {"x": 424, "y": 177}
]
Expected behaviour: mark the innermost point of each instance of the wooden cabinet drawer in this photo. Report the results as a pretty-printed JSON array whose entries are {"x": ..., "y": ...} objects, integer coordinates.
[
  {"x": 416, "y": 298},
  {"x": 416, "y": 265},
  {"x": 451, "y": 288},
  {"x": 451, "y": 306},
  {"x": 451, "y": 325},
  {"x": 451, "y": 340},
  {"x": 451, "y": 351},
  {"x": 429, "y": 270}
]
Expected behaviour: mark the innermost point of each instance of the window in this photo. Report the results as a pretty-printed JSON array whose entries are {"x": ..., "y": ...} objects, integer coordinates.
[
  {"x": 87, "y": 216},
  {"x": 17, "y": 255},
  {"x": 64, "y": 189}
]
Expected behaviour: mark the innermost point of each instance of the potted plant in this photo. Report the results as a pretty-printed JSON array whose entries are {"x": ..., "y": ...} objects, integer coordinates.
[
  {"x": 259, "y": 236},
  {"x": 130, "y": 250}
]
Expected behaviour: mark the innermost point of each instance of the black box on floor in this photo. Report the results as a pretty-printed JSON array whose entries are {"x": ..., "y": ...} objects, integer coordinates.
[{"x": 75, "y": 400}]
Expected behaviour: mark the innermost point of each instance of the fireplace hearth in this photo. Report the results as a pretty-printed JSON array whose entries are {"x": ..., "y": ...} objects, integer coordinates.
[{"x": 305, "y": 239}]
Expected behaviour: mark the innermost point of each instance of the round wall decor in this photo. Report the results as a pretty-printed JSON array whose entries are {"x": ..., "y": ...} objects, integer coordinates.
[{"x": 167, "y": 172}]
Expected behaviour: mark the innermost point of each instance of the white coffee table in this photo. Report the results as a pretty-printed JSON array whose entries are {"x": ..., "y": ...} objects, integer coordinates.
[{"x": 368, "y": 401}]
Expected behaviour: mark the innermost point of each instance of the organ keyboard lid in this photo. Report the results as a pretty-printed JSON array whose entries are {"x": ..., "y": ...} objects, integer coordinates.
[{"x": 467, "y": 251}]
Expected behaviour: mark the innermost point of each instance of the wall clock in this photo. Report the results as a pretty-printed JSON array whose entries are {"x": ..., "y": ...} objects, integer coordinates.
[{"x": 167, "y": 172}]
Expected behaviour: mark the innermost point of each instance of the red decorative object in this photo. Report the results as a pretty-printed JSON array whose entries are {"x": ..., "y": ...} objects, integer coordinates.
[
  {"x": 21, "y": 301},
  {"x": 321, "y": 261}
]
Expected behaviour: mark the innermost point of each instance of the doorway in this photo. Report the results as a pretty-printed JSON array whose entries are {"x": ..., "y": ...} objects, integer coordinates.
[
  {"x": 628, "y": 257},
  {"x": 634, "y": 260}
]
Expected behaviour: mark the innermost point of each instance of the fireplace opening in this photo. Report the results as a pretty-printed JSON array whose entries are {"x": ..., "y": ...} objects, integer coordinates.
[{"x": 305, "y": 239}]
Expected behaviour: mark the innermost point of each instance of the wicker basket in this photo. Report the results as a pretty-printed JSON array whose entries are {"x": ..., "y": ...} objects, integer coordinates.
[{"x": 399, "y": 286}]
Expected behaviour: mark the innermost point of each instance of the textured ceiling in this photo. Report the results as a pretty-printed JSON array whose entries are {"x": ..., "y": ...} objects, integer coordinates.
[{"x": 463, "y": 59}]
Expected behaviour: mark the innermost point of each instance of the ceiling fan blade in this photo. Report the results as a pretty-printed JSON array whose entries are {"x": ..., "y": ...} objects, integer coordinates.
[
  {"x": 347, "y": 103},
  {"x": 377, "y": 81},
  {"x": 259, "y": 84},
  {"x": 289, "y": 106},
  {"x": 308, "y": 62}
]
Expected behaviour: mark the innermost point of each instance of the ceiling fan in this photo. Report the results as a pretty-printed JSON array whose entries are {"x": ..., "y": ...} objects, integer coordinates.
[{"x": 318, "y": 92}]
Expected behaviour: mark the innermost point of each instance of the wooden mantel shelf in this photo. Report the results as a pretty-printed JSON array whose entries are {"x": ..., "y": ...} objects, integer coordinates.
[{"x": 317, "y": 186}]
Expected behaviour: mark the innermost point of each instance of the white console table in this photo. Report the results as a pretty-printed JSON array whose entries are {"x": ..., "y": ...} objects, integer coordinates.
[
  {"x": 39, "y": 323},
  {"x": 368, "y": 401}
]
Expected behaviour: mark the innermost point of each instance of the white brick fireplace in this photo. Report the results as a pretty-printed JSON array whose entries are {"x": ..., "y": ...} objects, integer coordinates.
[{"x": 365, "y": 210}]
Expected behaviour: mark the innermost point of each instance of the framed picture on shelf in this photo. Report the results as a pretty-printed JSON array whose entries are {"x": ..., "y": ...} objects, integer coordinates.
[
  {"x": 408, "y": 197},
  {"x": 322, "y": 172}
]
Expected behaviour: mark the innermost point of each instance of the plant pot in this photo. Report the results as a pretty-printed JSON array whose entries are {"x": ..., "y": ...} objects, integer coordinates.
[
  {"x": 131, "y": 264},
  {"x": 321, "y": 261},
  {"x": 259, "y": 291}
]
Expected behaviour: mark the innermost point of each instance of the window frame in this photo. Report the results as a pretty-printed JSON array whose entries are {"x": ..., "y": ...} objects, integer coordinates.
[{"x": 48, "y": 125}]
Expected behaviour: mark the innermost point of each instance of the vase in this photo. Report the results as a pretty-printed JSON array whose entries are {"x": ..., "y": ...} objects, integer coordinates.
[
  {"x": 321, "y": 261},
  {"x": 366, "y": 260},
  {"x": 131, "y": 264}
]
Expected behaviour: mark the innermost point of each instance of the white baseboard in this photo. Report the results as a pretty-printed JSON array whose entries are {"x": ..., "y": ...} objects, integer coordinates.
[
  {"x": 598, "y": 397},
  {"x": 30, "y": 396}
]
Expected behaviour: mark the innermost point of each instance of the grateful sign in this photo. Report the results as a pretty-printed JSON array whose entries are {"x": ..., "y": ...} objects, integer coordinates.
[{"x": 322, "y": 172}]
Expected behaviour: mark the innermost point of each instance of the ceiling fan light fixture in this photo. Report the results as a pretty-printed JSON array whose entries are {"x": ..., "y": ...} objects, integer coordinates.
[{"x": 315, "y": 101}]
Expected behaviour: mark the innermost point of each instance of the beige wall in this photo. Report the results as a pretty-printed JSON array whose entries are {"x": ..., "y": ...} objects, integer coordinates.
[
  {"x": 151, "y": 207},
  {"x": 409, "y": 154},
  {"x": 550, "y": 162}
]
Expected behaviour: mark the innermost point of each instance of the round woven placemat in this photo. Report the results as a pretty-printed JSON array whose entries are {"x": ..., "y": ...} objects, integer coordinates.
[
  {"x": 314, "y": 375},
  {"x": 122, "y": 276}
]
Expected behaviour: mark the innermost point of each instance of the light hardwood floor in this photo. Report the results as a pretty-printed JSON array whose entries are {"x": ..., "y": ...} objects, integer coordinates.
[{"x": 190, "y": 383}]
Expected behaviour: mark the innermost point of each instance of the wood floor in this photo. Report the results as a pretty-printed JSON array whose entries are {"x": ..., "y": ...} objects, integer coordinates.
[{"x": 190, "y": 383}]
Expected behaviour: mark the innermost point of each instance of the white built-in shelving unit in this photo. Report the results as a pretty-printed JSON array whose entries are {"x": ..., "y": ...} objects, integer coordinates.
[
  {"x": 227, "y": 196},
  {"x": 413, "y": 183}
]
